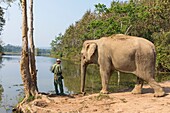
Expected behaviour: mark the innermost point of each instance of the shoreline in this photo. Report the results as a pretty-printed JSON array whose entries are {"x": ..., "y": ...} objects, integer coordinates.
[{"x": 122, "y": 102}]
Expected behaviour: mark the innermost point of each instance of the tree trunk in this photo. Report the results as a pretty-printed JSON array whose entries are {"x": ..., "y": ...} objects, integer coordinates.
[
  {"x": 33, "y": 72},
  {"x": 24, "y": 62}
]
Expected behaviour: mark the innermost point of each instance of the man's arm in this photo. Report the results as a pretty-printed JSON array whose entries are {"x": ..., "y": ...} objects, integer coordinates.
[{"x": 53, "y": 68}]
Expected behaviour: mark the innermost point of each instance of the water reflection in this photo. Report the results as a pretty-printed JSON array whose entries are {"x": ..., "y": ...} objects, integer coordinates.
[
  {"x": 1, "y": 88},
  {"x": 10, "y": 78},
  {"x": 1, "y": 62},
  {"x": 71, "y": 73}
]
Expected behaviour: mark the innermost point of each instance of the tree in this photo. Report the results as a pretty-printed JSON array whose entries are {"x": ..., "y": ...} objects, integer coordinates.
[
  {"x": 141, "y": 18},
  {"x": 56, "y": 45},
  {"x": 2, "y": 20},
  {"x": 162, "y": 43},
  {"x": 28, "y": 77},
  {"x": 24, "y": 62},
  {"x": 33, "y": 71}
]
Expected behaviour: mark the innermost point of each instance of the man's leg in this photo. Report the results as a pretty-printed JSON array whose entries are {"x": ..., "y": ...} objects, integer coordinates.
[
  {"x": 56, "y": 86},
  {"x": 60, "y": 85}
]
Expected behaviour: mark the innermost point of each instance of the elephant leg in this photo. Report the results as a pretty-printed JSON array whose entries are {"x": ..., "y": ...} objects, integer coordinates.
[
  {"x": 157, "y": 88},
  {"x": 105, "y": 76},
  {"x": 138, "y": 87}
]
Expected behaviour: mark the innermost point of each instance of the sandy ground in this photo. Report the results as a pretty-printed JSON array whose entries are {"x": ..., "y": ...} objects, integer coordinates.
[{"x": 123, "y": 102}]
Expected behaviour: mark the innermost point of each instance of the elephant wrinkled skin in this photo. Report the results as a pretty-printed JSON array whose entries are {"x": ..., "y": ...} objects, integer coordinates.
[{"x": 123, "y": 53}]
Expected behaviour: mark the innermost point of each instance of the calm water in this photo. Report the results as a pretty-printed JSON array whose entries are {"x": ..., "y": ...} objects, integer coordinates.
[{"x": 10, "y": 79}]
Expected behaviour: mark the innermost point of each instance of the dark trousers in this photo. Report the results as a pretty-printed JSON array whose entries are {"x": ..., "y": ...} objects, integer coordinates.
[{"x": 58, "y": 81}]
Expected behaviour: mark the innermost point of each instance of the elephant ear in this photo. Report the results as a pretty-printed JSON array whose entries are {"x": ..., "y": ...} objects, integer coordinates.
[{"x": 91, "y": 49}]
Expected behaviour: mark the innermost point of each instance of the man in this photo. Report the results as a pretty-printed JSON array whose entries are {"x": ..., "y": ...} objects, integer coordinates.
[{"x": 56, "y": 69}]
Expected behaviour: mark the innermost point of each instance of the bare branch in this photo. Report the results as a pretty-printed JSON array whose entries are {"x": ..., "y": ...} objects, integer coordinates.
[
  {"x": 6, "y": 7},
  {"x": 128, "y": 29}
]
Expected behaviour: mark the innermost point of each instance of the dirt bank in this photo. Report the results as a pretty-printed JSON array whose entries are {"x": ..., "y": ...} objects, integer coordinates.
[{"x": 123, "y": 102}]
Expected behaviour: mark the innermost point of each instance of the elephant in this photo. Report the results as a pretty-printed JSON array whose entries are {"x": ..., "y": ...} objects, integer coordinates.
[{"x": 124, "y": 53}]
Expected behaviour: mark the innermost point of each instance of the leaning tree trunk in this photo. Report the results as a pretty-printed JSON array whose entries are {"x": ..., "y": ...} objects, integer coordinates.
[
  {"x": 24, "y": 62},
  {"x": 34, "y": 88}
]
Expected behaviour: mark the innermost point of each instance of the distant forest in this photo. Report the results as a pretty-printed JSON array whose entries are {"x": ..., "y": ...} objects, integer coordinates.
[
  {"x": 17, "y": 49},
  {"x": 149, "y": 19},
  {"x": 11, "y": 48}
]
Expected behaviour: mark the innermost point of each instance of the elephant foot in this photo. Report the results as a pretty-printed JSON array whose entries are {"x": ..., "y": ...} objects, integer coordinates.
[
  {"x": 136, "y": 90},
  {"x": 104, "y": 91},
  {"x": 160, "y": 93}
]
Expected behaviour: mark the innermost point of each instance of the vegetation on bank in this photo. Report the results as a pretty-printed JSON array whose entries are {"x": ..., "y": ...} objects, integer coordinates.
[
  {"x": 1, "y": 48},
  {"x": 16, "y": 50},
  {"x": 148, "y": 19},
  {"x": 144, "y": 18}
]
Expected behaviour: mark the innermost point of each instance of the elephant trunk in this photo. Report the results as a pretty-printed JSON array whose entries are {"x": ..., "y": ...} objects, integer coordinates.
[{"x": 83, "y": 77}]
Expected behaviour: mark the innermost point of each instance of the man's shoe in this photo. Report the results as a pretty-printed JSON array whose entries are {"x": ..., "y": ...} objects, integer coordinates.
[
  {"x": 62, "y": 94},
  {"x": 57, "y": 94}
]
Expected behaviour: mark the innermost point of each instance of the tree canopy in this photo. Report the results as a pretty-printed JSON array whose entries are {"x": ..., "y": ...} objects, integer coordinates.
[
  {"x": 2, "y": 20},
  {"x": 143, "y": 18}
]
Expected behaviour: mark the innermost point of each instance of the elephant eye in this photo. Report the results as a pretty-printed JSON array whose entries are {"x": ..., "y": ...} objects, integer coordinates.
[
  {"x": 83, "y": 56},
  {"x": 87, "y": 46}
]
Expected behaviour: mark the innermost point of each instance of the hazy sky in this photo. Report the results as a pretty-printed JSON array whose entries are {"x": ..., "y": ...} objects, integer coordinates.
[{"x": 51, "y": 17}]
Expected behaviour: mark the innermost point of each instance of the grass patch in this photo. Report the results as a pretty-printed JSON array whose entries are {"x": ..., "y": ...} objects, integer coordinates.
[
  {"x": 102, "y": 96},
  {"x": 30, "y": 98}
]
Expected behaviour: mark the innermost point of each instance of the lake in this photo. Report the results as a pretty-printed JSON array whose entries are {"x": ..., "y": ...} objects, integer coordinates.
[{"x": 12, "y": 89}]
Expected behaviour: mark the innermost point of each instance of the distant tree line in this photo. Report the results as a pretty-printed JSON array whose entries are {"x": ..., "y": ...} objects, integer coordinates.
[
  {"x": 42, "y": 52},
  {"x": 17, "y": 49},
  {"x": 12, "y": 48},
  {"x": 144, "y": 18}
]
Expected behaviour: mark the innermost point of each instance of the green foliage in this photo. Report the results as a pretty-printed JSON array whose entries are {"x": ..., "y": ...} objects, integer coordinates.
[
  {"x": 30, "y": 98},
  {"x": 162, "y": 42},
  {"x": 102, "y": 96},
  {"x": 138, "y": 18},
  {"x": 2, "y": 20},
  {"x": 11, "y": 48},
  {"x": 101, "y": 8},
  {"x": 17, "y": 49},
  {"x": 42, "y": 52},
  {"x": 20, "y": 99},
  {"x": 56, "y": 45}
]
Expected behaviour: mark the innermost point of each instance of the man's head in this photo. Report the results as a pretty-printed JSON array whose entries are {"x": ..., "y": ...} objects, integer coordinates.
[{"x": 58, "y": 61}]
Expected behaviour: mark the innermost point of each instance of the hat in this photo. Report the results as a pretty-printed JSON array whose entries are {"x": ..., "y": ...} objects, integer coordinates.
[{"x": 58, "y": 60}]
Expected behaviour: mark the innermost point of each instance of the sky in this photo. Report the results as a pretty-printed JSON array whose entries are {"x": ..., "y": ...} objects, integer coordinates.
[{"x": 51, "y": 17}]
